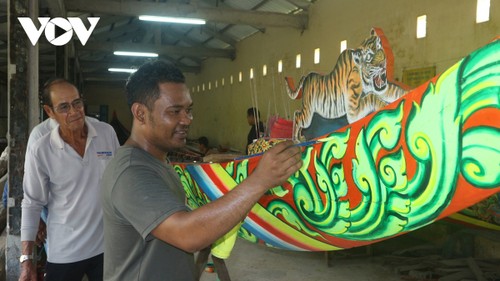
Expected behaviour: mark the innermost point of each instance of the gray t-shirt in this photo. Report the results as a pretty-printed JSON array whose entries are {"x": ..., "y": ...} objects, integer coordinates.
[{"x": 140, "y": 192}]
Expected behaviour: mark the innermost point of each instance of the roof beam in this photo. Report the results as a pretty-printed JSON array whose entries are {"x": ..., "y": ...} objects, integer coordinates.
[
  {"x": 217, "y": 35},
  {"x": 110, "y": 23},
  {"x": 162, "y": 49},
  {"x": 56, "y": 8},
  {"x": 180, "y": 36},
  {"x": 116, "y": 31},
  {"x": 223, "y": 15},
  {"x": 90, "y": 66},
  {"x": 106, "y": 77},
  {"x": 300, "y": 4}
]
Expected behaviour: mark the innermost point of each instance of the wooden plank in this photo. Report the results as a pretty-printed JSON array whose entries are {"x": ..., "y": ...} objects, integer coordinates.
[
  {"x": 475, "y": 269},
  {"x": 447, "y": 270},
  {"x": 221, "y": 269},
  {"x": 201, "y": 261},
  {"x": 453, "y": 262},
  {"x": 458, "y": 276},
  {"x": 405, "y": 268}
]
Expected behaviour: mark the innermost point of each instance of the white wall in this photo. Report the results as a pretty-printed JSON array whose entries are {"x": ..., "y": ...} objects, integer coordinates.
[{"x": 220, "y": 113}]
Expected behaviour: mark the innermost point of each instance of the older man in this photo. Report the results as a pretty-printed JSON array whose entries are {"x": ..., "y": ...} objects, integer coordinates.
[{"x": 63, "y": 170}]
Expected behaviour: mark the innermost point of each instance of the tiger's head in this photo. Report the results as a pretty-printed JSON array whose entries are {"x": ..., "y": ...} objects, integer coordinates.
[{"x": 371, "y": 60}]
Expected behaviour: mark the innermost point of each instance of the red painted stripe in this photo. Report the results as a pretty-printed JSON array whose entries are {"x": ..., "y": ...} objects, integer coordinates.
[
  {"x": 279, "y": 234},
  {"x": 218, "y": 184}
]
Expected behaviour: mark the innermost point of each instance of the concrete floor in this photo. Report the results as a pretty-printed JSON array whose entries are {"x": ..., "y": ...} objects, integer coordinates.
[{"x": 251, "y": 262}]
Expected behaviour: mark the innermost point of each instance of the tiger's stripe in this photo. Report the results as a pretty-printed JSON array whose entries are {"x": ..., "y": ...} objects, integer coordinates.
[{"x": 349, "y": 89}]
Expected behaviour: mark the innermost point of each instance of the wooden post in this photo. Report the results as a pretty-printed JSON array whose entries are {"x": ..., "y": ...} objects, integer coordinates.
[
  {"x": 221, "y": 269},
  {"x": 17, "y": 86},
  {"x": 201, "y": 261},
  {"x": 219, "y": 265}
]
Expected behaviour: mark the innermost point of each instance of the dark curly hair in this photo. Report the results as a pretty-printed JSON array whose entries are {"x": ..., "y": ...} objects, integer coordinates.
[{"x": 143, "y": 85}]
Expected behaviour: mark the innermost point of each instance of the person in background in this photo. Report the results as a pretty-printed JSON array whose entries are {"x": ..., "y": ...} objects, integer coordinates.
[
  {"x": 4, "y": 161},
  {"x": 45, "y": 127},
  {"x": 257, "y": 127},
  {"x": 149, "y": 232},
  {"x": 39, "y": 131},
  {"x": 63, "y": 169},
  {"x": 203, "y": 143},
  {"x": 205, "y": 148}
]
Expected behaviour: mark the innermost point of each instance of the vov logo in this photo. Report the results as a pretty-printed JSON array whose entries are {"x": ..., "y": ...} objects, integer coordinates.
[{"x": 49, "y": 26}]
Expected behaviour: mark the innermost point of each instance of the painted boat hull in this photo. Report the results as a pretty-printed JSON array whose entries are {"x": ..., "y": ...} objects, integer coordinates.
[{"x": 424, "y": 157}]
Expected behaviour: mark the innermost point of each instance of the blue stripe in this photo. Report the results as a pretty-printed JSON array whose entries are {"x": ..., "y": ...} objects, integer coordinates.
[
  {"x": 205, "y": 182},
  {"x": 268, "y": 237}
]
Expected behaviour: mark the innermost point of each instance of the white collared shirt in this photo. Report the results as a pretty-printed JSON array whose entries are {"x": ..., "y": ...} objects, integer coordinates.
[{"x": 56, "y": 176}]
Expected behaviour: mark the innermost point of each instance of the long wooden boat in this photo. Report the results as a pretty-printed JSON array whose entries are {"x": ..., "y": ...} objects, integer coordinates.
[{"x": 427, "y": 155}]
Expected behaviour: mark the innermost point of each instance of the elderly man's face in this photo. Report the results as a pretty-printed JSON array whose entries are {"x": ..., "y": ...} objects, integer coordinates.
[{"x": 67, "y": 107}]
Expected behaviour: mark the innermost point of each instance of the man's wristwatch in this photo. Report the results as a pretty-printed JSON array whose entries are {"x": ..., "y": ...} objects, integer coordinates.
[{"x": 24, "y": 258}]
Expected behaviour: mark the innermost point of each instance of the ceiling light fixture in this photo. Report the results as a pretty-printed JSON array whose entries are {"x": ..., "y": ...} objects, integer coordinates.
[
  {"x": 128, "y": 70},
  {"x": 135, "y": 54},
  {"x": 172, "y": 19}
]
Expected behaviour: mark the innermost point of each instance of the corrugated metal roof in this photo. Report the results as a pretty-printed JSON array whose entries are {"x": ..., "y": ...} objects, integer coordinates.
[{"x": 229, "y": 21}]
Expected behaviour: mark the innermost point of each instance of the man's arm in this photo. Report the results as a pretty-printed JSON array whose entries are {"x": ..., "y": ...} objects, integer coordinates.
[
  {"x": 28, "y": 269},
  {"x": 192, "y": 231},
  {"x": 35, "y": 196}
]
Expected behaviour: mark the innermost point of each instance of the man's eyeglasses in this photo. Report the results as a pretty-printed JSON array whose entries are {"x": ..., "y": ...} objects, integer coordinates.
[{"x": 65, "y": 107}]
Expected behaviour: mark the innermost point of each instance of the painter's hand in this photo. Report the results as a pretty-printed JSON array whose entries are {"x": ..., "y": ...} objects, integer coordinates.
[{"x": 278, "y": 164}]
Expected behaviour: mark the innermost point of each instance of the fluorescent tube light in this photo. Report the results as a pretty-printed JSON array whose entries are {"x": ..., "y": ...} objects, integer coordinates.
[
  {"x": 173, "y": 19},
  {"x": 135, "y": 54},
  {"x": 128, "y": 70}
]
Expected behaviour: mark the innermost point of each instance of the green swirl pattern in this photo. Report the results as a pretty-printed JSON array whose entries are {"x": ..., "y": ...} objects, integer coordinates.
[
  {"x": 393, "y": 171},
  {"x": 431, "y": 136}
]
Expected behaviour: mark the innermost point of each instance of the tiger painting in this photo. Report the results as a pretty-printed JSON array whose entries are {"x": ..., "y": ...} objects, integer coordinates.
[{"x": 357, "y": 86}]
